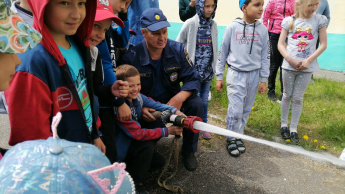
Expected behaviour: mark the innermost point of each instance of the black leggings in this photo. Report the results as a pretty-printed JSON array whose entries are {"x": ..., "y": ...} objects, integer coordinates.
[{"x": 276, "y": 61}]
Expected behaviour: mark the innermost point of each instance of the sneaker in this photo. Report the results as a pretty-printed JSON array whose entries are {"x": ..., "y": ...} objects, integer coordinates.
[
  {"x": 271, "y": 95},
  {"x": 285, "y": 132},
  {"x": 189, "y": 160},
  {"x": 294, "y": 137},
  {"x": 205, "y": 135},
  {"x": 231, "y": 146}
]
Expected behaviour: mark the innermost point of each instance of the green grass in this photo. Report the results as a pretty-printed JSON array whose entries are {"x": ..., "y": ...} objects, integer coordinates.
[{"x": 322, "y": 119}]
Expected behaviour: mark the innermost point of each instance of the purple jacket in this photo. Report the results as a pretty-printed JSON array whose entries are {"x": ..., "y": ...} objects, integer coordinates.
[{"x": 275, "y": 12}]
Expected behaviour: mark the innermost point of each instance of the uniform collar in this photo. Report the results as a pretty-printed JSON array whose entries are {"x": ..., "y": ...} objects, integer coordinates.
[{"x": 145, "y": 56}]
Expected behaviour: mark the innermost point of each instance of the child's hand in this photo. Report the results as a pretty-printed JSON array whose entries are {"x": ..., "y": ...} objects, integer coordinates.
[
  {"x": 262, "y": 88},
  {"x": 305, "y": 65},
  {"x": 219, "y": 85},
  {"x": 179, "y": 113},
  {"x": 124, "y": 112},
  {"x": 99, "y": 143},
  {"x": 192, "y": 3},
  {"x": 175, "y": 130},
  {"x": 146, "y": 115},
  {"x": 120, "y": 89},
  {"x": 126, "y": 6},
  {"x": 295, "y": 63}
]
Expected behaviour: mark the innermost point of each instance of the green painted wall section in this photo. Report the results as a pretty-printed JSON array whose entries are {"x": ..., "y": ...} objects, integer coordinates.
[
  {"x": 334, "y": 56},
  {"x": 332, "y": 59}
]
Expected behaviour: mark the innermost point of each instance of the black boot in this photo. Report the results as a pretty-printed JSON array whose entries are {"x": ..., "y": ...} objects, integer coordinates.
[
  {"x": 271, "y": 94},
  {"x": 157, "y": 162},
  {"x": 189, "y": 160}
]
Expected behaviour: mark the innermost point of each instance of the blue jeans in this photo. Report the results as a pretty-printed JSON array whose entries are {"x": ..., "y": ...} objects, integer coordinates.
[{"x": 203, "y": 93}]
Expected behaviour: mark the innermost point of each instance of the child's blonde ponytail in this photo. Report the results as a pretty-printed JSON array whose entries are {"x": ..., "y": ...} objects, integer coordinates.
[
  {"x": 291, "y": 23},
  {"x": 297, "y": 13}
]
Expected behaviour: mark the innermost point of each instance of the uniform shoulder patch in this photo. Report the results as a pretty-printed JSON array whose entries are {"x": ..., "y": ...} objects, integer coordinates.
[{"x": 188, "y": 58}]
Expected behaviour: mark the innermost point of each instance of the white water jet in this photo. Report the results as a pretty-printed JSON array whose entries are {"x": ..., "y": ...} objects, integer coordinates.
[{"x": 296, "y": 150}]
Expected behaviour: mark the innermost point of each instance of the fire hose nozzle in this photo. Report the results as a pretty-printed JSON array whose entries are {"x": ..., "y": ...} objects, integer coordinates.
[
  {"x": 188, "y": 123},
  {"x": 181, "y": 121}
]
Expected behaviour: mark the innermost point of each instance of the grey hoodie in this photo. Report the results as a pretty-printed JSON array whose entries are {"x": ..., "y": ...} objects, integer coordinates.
[{"x": 244, "y": 50}]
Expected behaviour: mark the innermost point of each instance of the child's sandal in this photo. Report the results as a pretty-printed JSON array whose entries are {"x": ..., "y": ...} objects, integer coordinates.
[
  {"x": 240, "y": 146},
  {"x": 231, "y": 146}
]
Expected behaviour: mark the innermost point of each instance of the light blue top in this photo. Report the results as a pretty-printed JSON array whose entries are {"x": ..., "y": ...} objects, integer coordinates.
[{"x": 76, "y": 66}]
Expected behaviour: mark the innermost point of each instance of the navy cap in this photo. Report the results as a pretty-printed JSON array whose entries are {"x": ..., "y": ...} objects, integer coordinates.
[
  {"x": 241, "y": 3},
  {"x": 153, "y": 19}
]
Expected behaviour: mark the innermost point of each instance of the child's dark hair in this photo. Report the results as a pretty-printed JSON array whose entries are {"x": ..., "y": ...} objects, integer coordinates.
[
  {"x": 125, "y": 71},
  {"x": 247, "y": 2}
]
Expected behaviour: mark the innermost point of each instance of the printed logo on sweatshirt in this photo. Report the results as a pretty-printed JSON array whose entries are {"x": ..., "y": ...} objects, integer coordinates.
[
  {"x": 65, "y": 98},
  {"x": 305, "y": 54},
  {"x": 246, "y": 38}
]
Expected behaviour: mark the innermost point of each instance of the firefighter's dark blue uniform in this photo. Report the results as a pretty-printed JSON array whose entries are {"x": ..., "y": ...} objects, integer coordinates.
[{"x": 176, "y": 67}]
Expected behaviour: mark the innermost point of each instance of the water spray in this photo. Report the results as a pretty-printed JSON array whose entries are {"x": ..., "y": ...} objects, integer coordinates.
[{"x": 195, "y": 124}]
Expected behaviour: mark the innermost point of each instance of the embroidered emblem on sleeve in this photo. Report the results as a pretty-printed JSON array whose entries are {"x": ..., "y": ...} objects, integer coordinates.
[{"x": 188, "y": 58}]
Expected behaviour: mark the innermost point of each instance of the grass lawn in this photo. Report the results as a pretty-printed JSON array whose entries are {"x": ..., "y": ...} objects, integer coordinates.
[{"x": 322, "y": 123}]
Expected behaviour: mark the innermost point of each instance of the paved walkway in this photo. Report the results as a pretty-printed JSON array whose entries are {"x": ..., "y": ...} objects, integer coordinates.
[
  {"x": 330, "y": 75},
  {"x": 261, "y": 169}
]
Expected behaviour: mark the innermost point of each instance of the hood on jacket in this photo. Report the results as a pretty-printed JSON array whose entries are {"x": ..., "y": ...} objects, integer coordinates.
[
  {"x": 83, "y": 33},
  {"x": 199, "y": 7},
  {"x": 245, "y": 24}
]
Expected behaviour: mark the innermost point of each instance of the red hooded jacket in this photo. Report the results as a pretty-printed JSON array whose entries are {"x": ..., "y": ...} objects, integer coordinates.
[{"x": 42, "y": 86}]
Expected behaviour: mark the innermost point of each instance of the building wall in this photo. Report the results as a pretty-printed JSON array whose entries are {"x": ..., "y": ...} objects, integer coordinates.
[
  {"x": 332, "y": 59},
  {"x": 228, "y": 10}
]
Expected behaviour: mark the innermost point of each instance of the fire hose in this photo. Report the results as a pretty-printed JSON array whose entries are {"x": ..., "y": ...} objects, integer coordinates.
[
  {"x": 196, "y": 125},
  {"x": 181, "y": 121}
]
